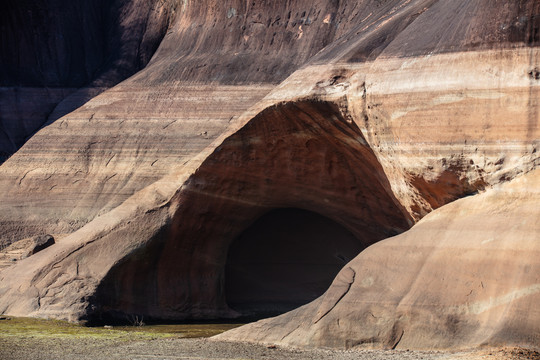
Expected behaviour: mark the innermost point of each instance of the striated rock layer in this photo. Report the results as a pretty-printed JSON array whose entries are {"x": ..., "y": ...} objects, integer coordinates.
[
  {"x": 214, "y": 63},
  {"x": 57, "y": 55},
  {"x": 466, "y": 274},
  {"x": 192, "y": 189}
]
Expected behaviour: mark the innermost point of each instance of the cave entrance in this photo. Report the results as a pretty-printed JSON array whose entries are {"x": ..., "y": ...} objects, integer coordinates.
[
  {"x": 285, "y": 259},
  {"x": 239, "y": 239}
]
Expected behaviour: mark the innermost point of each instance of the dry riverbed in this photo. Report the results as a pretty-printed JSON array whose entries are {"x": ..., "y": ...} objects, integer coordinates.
[{"x": 30, "y": 339}]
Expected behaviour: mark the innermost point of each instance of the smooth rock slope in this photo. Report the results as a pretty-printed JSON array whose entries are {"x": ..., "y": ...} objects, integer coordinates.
[
  {"x": 354, "y": 118},
  {"x": 465, "y": 275}
]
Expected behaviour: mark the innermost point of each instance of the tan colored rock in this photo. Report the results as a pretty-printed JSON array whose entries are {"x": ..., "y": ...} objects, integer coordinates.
[
  {"x": 465, "y": 275},
  {"x": 372, "y": 117},
  {"x": 209, "y": 69}
]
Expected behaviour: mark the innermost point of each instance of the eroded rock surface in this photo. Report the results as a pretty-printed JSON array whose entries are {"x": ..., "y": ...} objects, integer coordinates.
[
  {"x": 370, "y": 114},
  {"x": 466, "y": 274},
  {"x": 57, "y": 55}
]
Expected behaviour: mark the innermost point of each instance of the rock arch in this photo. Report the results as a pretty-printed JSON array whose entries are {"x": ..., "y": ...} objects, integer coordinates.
[{"x": 303, "y": 155}]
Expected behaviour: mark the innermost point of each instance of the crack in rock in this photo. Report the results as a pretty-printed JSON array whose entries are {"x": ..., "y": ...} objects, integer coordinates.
[{"x": 339, "y": 288}]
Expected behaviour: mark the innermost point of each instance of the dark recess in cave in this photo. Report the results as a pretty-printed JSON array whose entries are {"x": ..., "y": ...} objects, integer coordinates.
[
  {"x": 285, "y": 259},
  {"x": 280, "y": 201}
]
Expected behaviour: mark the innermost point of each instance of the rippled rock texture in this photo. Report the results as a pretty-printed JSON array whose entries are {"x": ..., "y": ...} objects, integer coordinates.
[{"x": 258, "y": 148}]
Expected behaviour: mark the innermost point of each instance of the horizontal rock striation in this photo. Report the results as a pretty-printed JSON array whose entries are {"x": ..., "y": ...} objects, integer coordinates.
[
  {"x": 354, "y": 118},
  {"x": 57, "y": 55},
  {"x": 465, "y": 275},
  {"x": 196, "y": 84},
  {"x": 288, "y": 156}
]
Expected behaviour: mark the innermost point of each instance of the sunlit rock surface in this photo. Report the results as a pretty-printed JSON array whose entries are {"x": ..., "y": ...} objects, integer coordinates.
[
  {"x": 353, "y": 118},
  {"x": 465, "y": 275}
]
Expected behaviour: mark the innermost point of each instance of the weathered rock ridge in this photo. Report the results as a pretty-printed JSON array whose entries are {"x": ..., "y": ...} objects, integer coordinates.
[
  {"x": 354, "y": 118},
  {"x": 476, "y": 284}
]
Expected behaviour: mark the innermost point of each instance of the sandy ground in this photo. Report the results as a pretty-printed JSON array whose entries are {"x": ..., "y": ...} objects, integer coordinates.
[
  {"x": 36, "y": 339},
  {"x": 176, "y": 348}
]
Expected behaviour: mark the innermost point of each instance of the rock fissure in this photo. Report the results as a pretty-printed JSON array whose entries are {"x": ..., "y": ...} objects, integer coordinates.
[{"x": 337, "y": 298}]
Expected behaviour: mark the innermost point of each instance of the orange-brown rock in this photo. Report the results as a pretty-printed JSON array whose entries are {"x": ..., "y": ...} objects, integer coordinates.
[
  {"x": 465, "y": 275},
  {"x": 179, "y": 189}
]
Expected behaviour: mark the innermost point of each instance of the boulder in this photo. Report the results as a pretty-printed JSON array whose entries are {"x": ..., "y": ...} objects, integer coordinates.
[{"x": 39, "y": 243}]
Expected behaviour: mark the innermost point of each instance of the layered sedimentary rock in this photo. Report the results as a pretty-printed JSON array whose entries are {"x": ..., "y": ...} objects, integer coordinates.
[
  {"x": 214, "y": 63},
  {"x": 354, "y": 118},
  {"x": 57, "y": 55},
  {"x": 466, "y": 274}
]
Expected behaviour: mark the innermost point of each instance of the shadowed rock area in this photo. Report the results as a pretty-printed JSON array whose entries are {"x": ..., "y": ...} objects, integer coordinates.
[
  {"x": 269, "y": 272},
  {"x": 450, "y": 285},
  {"x": 275, "y": 161},
  {"x": 259, "y": 147},
  {"x": 57, "y": 55}
]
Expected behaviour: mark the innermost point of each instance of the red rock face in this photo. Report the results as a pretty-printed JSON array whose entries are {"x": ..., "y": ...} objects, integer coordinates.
[
  {"x": 476, "y": 284},
  {"x": 188, "y": 95},
  {"x": 191, "y": 89},
  {"x": 297, "y": 155},
  {"x": 350, "y": 118}
]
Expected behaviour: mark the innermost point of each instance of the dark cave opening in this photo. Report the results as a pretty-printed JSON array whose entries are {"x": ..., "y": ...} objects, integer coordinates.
[
  {"x": 285, "y": 259},
  {"x": 241, "y": 243}
]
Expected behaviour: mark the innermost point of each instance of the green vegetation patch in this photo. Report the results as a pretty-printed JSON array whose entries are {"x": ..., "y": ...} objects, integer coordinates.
[
  {"x": 181, "y": 330},
  {"x": 40, "y": 328}
]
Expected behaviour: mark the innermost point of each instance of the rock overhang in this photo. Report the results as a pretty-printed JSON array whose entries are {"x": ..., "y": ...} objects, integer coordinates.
[
  {"x": 293, "y": 155},
  {"x": 479, "y": 97}
]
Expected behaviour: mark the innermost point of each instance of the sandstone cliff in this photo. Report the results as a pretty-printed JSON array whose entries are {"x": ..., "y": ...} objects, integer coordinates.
[
  {"x": 465, "y": 275},
  {"x": 59, "y": 54},
  {"x": 370, "y": 114}
]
